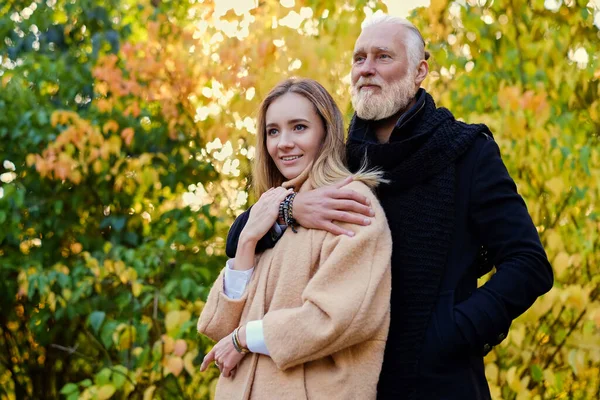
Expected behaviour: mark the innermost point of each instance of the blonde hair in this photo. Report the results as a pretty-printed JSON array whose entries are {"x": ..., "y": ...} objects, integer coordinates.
[{"x": 329, "y": 166}]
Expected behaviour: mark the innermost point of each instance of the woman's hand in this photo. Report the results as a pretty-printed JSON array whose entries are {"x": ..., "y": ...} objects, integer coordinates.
[
  {"x": 264, "y": 213},
  {"x": 225, "y": 356}
]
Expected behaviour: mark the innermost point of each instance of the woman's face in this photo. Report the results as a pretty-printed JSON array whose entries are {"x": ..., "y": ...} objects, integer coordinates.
[{"x": 294, "y": 134}]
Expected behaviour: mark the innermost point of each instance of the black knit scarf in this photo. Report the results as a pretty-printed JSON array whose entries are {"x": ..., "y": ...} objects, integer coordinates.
[{"x": 419, "y": 161}]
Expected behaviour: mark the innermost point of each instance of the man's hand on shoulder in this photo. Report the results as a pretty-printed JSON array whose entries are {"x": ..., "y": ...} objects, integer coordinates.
[{"x": 320, "y": 208}]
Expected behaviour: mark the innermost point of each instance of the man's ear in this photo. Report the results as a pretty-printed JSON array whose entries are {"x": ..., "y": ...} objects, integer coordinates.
[{"x": 422, "y": 71}]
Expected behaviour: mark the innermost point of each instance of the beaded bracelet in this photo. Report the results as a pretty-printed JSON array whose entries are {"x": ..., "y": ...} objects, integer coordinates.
[
  {"x": 289, "y": 216},
  {"x": 281, "y": 210},
  {"x": 285, "y": 211}
]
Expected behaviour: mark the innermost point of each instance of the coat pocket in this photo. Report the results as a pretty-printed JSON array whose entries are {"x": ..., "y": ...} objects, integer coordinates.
[{"x": 443, "y": 340}]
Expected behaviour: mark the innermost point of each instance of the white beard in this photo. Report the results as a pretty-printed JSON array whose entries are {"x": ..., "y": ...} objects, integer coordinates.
[{"x": 376, "y": 106}]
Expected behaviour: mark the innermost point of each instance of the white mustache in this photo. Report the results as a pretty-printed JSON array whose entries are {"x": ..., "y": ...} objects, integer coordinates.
[{"x": 363, "y": 82}]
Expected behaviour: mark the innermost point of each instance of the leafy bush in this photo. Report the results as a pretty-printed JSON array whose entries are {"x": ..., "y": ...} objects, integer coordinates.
[{"x": 126, "y": 133}]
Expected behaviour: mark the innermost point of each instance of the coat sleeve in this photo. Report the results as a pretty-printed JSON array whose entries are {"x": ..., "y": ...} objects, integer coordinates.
[
  {"x": 500, "y": 218},
  {"x": 266, "y": 242},
  {"x": 346, "y": 302},
  {"x": 221, "y": 315}
]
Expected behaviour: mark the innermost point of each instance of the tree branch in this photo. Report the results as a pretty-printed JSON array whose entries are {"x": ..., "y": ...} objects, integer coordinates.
[{"x": 73, "y": 350}]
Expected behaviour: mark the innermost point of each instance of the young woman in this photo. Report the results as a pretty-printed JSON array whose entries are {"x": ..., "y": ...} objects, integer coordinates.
[{"x": 314, "y": 310}]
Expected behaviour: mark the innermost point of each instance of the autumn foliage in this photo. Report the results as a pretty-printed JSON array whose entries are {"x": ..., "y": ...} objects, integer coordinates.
[{"x": 126, "y": 134}]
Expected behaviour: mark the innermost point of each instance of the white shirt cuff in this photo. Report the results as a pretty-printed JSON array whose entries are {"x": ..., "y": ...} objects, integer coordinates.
[
  {"x": 255, "y": 338},
  {"x": 235, "y": 282}
]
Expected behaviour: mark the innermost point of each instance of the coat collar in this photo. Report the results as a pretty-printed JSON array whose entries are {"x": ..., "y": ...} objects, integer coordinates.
[{"x": 302, "y": 182}]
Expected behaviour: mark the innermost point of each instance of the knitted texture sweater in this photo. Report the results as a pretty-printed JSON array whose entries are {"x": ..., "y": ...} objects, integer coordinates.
[
  {"x": 419, "y": 161},
  {"x": 324, "y": 302}
]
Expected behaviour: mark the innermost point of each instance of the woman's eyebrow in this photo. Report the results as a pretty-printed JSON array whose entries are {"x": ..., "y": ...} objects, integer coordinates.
[{"x": 296, "y": 120}]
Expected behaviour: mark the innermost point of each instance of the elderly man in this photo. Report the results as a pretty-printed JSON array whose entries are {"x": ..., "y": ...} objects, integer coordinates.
[{"x": 454, "y": 213}]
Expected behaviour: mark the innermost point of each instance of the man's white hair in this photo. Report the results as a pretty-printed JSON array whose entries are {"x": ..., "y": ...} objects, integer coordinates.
[{"x": 415, "y": 45}]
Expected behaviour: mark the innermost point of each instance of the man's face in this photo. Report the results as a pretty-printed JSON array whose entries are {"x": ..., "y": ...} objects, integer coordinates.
[{"x": 383, "y": 79}]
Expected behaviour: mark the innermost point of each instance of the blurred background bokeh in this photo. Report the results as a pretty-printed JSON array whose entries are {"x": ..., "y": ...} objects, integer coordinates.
[{"x": 126, "y": 137}]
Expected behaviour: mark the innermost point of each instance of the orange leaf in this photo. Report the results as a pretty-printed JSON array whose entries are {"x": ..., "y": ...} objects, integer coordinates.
[
  {"x": 180, "y": 347},
  {"x": 110, "y": 126},
  {"x": 127, "y": 135},
  {"x": 175, "y": 365}
]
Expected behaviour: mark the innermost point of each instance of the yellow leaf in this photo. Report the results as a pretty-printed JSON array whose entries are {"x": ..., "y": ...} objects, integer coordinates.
[
  {"x": 136, "y": 288},
  {"x": 575, "y": 296},
  {"x": 184, "y": 316},
  {"x": 542, "y": 305},
  {"x": 172, "y": 320},
  {"x": 149, "y": 392},
  {"x": 106, "y": 392},
  {"x": 512, "y": 378},
  {"x": 30, "y": 159},
  {"x": 129, "y": 275},
  {"x": 55, "y": 118},
  {"x": 553, "y": 240},
  {"x": 188, "y": 362},
  {"x": 549, "y": 377},
  {"x": 556, "y": 185},
  {"x": 437, "y": 6},
  {"x": 595, "y": 111},
  {"x": 491, "y": 372},
  {"x": 137, "y": 351},
  {"x": 495, "y": 392},
  {"x": 517, "y": 334},
  {"x": 119, "y": 267},
  {"x": 114, "y": 144},
  {"x": 97, "y": 166},
  {"x": 595, "y": 316},
  {"x": 561, "y": 264},
  {"x": 127, "y": 338},
  {"x": 577, "y": 361}
]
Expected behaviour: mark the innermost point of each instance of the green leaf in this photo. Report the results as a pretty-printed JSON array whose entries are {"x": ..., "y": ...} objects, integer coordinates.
[
  {"x": 42, "y": 117},
  {"x": 73, "y": 396},
  {"x": 131, "y": 238},
  {"x": 69, "y": 388},
  {"x": 119, "y": 378},
  {"x": 96, "y": 319},
  {"x": 58, "y": 207},
  {"x": 103, "y": 377},
  {"x": 86, "y": 383},
  {"x": 118, "y": 223},
  {"x": 107, "y": 332},
  {"x": 63, "y": 280},
  {"x": 584, "y": 158},
  {"x": 536, "y": 373},
  {"x": 106, "y": 392},
  {"x": 186, "y": 286}
]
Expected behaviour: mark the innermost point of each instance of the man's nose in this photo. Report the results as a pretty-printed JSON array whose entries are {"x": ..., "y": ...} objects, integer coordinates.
[{"x": 368, "y": 67}]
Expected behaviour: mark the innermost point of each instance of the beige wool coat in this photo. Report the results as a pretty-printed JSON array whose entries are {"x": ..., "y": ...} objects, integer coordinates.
[{"x": 324, "y": 301}]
